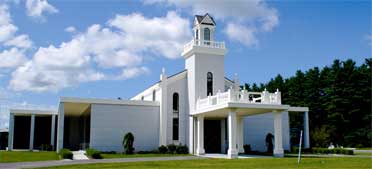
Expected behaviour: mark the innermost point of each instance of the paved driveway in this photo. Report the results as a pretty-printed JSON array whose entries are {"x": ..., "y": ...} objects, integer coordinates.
[{"x": 71, "y": 162}]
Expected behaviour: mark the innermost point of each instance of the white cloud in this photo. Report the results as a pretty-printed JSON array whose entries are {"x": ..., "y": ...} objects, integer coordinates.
[
  {"x": 162, "y": 36},
  {"x": 369, "y": 39},
  {"x": 7, "y": 29},
  {"x": 12, "y": 58},
  {"x": 122, "y": 45},
  {"x": 241, "y": 34},
  {"x": 133, "y": 72},
  {"x": 36, "y": 8},
  {"x": 20, "y": 41},
  {"x": 255, "y": 15},
  {"x": 70, "y": 29}
]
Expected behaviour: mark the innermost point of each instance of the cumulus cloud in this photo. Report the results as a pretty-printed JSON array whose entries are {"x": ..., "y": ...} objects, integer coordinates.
[
  {"x": 252, "y": 17},
  {"x": 15, "y": 56},
  {"x": 70, "y": 29},
  {"x": 36, "y": 8},
  {"x": 133, "y": 72},
  {"x": 12, "y": 58},
  {"x": 123, "y": 44}
]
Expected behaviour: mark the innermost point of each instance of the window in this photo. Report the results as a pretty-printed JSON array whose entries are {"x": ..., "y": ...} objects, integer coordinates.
[
  {"x": 209, "y": 84},
  {"x": 175, "y": 115},
  {"x": 207, "y": 34},
  {"x": 153, "y": 95},
  {"x": 142, "y": 98},
  {"x": 197, "y": 34}
]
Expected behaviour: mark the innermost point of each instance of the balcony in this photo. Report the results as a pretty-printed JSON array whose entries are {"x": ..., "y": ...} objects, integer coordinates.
[
  {"x": 204, "y": 46},
  {"x": 233, "y": 96}
]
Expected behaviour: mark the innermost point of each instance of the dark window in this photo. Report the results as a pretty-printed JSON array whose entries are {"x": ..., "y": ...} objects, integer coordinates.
[
  {"x": 175, "y": 102},
  {"x": 175, "y": 115},
  {"x": 142, "y": 98},
  {"x": 175, "y": 128},
  {"x": 207, "y": 34},
  {"x": 209, "y": 84},
  {"x": 197, "y": 34},
  {"x": 153, "y": 95}
]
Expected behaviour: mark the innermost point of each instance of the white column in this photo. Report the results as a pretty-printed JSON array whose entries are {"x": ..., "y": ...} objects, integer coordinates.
[
  {"x": 191, "y": 135},
  {"x": 200, "y": 147},
  {"x": 163, "y": 110},
  {"x": 232, "y": 152},
  {"x": 306, "y": 132},
  {"x": 61, "y": 123},
  {"x": 240, "y": 134},
  {"x": 223, "y": 136},
  {"x": 278, "y": 138},
  {"x": 32, "y": 132},
  {"x": 11, "y": 132},
  {"x": 52, "y": 130}
]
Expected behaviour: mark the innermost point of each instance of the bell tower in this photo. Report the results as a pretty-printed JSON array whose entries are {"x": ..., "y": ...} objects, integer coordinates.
[{"x": 204, "y": 61}]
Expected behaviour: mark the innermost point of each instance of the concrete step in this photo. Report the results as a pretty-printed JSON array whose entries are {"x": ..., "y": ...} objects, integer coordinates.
[{"x": 79, "y": 155}]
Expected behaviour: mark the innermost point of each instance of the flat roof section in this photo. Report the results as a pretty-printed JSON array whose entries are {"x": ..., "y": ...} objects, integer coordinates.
[{"x": 32, "y": 111}]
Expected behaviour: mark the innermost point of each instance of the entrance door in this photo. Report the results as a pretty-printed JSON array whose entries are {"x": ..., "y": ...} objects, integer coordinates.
[{"x": 212, "y": 136}]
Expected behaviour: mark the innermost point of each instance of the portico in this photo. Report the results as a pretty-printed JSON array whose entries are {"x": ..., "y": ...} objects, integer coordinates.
[
  {"x": 234, "y": 105},
  {"x": 35, "y": 129}
]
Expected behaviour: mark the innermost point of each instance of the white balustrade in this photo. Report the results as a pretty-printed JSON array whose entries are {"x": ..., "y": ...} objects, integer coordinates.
[
  {"x": 239, "y": 97},
  {"x": 204, "y": 43}
]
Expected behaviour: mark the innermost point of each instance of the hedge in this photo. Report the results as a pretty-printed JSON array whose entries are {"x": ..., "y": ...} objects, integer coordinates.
[
  {"x": 332, "y": 151},
  {"x": 65, "y": 154},
  {"x": 95, "y": 154}
]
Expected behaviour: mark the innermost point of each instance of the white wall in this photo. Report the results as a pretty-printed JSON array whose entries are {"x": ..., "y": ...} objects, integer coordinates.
[
  {"x": 109, "y": 123},
  {"x": 179, "y": 86},
  {"x": 256, "y": 128}
]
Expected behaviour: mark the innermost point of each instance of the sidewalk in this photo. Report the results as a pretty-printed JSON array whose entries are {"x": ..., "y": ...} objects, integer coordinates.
[{"x": 71, "y": 162}]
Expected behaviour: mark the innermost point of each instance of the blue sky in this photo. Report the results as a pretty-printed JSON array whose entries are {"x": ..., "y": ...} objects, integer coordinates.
[{"x": 115, "y": 48}]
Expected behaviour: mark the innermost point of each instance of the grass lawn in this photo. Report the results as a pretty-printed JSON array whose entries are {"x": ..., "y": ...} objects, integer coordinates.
[
  {"x": 262, "y": 163},
  {"x": 363, "y": 153},
  {"x": 20, "y": 156},
  {"x": 140, "y": 155}
]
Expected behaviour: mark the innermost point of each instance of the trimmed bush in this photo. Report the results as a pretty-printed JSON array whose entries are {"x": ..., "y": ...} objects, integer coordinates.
[
  {"x": 172, "y": 148},
  {"x": 182, "y": 149},
  {"x": 247, "y": 148},
  {"x": 128, "y": 140},
  {"x": 95, "y": 154},
  {"x": 332, "y": 151},
  {"x": 65, "y": 154},
  {"x": 163, "y": 149}
]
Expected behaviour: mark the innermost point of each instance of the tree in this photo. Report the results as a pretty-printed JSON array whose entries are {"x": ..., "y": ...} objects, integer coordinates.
[
  {"x": 339, "y": 98},
  {"x": 128, "y": 141}
]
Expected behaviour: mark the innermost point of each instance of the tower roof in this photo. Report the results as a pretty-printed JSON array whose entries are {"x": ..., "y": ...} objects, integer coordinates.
[{"x": 200, "y": 18}]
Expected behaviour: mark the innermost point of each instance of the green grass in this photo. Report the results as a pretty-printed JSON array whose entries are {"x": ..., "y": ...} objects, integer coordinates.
[
  {"x": 364, "y": 153},
  {"x": 20, "y": 156},
  {"x": 262, "y": 163},
  {"x": 140, "y": 155},
  {"x": 365, "y": 148}
]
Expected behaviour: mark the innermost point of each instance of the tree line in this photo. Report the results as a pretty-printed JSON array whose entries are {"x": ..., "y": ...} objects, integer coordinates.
[{"x": 339, "y": 99}]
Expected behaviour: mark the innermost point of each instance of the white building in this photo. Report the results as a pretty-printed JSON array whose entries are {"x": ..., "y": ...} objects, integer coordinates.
[{"x": 198, "y": 107}]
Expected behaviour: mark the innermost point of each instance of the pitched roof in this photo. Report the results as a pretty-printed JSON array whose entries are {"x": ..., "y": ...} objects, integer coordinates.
[{"x": 199, "y": 18}]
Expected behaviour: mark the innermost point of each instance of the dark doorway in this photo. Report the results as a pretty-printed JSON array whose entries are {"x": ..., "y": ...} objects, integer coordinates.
[
  {"x": 212, "y": 136},
  {"x": 21, "y": 139},
  {"x": 42, "y": 132}
]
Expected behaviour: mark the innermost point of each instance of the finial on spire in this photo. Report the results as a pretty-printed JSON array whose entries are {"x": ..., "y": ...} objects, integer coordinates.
[{"x": 163, "y": 71}]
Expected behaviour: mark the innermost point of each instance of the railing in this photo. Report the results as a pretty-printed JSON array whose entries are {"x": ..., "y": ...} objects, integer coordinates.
[
  {"x": 239, "y": 97},
  {"x": 204, "y": 43}
]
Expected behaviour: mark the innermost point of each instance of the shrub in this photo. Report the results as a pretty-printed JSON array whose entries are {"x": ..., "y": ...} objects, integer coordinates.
[
  {"x": 172, "y": 148},
  {"x": 182, "y": 149},
  {"x": 95, "y": 154},
  {"x": 332, "y": 151},
  {"x": 65, "y": 154},
  {"x": 163, "y": 149},
  {"x": 128, "y": 143},
  {"x": 247, "y": 148}
]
